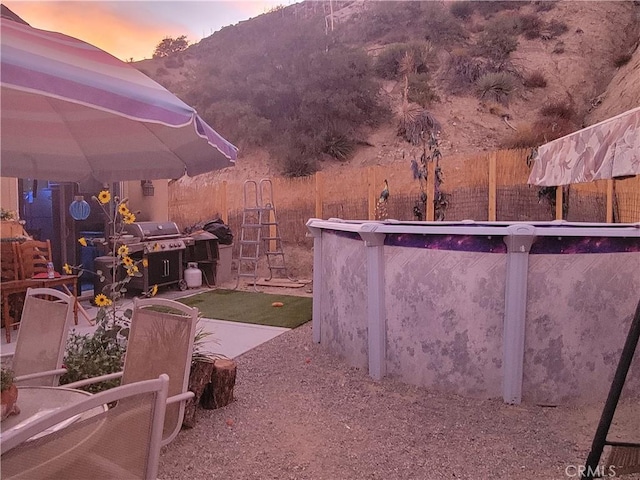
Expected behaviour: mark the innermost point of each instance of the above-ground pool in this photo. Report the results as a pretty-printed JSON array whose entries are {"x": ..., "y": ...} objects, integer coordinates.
[{"x": 533, "y": 312}]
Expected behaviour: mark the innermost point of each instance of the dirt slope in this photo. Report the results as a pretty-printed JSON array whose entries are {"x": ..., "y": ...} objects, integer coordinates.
[{"x": 578, "y": 66}]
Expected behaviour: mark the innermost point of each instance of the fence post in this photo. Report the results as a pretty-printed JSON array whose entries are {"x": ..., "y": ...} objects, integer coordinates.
[
  {"x": 609, "y": 200},
  {"x": 371, "y": 181},
  {"x": 319, "y": 193},
  {"x": 224, "y": 207},
  {"x": 559, "y": 201},
  {"x": 431, "y": 191},
  {"x": 493, "y": 167}
]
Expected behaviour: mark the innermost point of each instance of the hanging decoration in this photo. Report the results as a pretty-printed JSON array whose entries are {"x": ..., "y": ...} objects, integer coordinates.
[
  {"x": 147, "y": 188},
  {"x": 79, "y": 208}
]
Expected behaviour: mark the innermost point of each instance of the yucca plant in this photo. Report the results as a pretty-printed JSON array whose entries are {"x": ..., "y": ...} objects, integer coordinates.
[
  {"x": 496, "y": 86},
  {"x": 338, "y": 146},
  {"x": 416, "y": 123}
]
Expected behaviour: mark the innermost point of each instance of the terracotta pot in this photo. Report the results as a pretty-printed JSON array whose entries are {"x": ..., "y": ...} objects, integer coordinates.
[{"x": 8, "y": 398}]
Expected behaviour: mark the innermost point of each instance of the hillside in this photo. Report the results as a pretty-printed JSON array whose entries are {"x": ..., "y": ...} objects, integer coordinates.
[{"x": 591, "y": 70}]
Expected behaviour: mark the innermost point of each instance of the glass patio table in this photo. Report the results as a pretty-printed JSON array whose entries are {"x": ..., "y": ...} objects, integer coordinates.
[{"x": 35, "y": 402}]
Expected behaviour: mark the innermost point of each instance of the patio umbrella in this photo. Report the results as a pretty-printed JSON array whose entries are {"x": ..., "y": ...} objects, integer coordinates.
[
  {"x": 608, "y": 149},
  {"x": 72, "y": 112}
]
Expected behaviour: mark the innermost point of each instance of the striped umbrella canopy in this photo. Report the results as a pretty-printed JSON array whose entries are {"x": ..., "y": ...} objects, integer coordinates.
[{"x": 72, "y": 112}]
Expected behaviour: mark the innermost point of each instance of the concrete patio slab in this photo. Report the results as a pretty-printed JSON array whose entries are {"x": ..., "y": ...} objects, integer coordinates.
[{"x": 230, "y": 339}]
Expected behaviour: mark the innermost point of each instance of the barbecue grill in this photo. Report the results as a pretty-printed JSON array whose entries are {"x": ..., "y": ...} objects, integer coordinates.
[{"x": 163, "y": 246}]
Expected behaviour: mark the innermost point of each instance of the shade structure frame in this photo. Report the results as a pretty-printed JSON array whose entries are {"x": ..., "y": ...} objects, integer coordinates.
[{"x": 607, "y": 150}]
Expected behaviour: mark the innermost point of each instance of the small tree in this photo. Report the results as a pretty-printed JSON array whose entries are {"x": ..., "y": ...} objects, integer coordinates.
[{"x": 170, "y": 45}]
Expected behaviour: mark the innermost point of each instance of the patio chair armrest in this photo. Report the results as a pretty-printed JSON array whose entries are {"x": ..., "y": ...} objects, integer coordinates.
[
  {"x": 180, "y": 397},
  {"x": 90, "y": 381},
  {"x": 48, "y": 373}
]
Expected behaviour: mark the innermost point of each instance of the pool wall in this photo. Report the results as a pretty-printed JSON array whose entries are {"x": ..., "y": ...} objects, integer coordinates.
[{"x": 527, "y": 312}]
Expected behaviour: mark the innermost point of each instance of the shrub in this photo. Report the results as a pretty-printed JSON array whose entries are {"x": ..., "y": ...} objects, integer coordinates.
[
  {"x": 462, "y": 9},
  {"x": 298, "y": 166},
  {"x": 529, "y": 136},
  {"x": 535, "y": 80},
  {"x": 530, "y": 26},
  {"x": 488, "y": 9},
  {"x": 174, "y": 61},
  {"x": 525, "y": 137},
  {"x": 383, "y": 18},
  {"x": 504, "y": 24},
  {"x": 6, "y": 378},
  {"x": 555, "y": 28},
  {"x": 338, "y": 146},
  {"x": 420, "y": 91},
  {"x": 540, "y": 132},
  {"x": 388, "y": 63},
  {"x": 558, "y": 110},
  {"x": 496, "y": 44},
  {"x": 496, "y": 86},
  {"x": 622, "y": 60},
  {"x": 464, "y": 71},
  {"x": 395, "y": 36},
  {"x": 558, "y": 48},
  {"x": 440, "y": 26},
  {"x": 239, "y": 122},
  {"x": 100, "y": 353},
  {"x": 551, "y": 128},
  {"x": 545, "y": 5}
]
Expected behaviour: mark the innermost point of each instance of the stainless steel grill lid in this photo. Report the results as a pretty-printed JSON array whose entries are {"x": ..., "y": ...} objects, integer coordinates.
[{"x": 152, "y": 230}]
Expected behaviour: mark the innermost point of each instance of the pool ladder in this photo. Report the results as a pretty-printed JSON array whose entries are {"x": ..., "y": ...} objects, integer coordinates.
[{"x": 260, "y": 228}]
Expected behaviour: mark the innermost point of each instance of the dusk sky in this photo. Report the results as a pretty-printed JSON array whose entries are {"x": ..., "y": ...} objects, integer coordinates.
[{"x": 132, "y": 29}]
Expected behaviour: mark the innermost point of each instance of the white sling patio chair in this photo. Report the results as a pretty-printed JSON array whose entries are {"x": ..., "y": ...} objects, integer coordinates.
[
  {"x": 160, "y": 341},
  {"x": 122, "y": 441},
  {"x": 44, "y": 327}
]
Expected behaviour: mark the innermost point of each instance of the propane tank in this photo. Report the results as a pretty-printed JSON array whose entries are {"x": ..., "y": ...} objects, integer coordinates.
[{"x": 193, "y": 275}]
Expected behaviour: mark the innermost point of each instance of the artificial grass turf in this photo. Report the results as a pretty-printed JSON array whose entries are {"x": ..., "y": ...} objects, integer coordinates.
[{"x": 252, "y": 307}]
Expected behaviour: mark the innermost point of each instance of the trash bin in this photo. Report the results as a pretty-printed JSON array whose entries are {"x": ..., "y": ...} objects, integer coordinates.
[{"x": 105, "y": 265}]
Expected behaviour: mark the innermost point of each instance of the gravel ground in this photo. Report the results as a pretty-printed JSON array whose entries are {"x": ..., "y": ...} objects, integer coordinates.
[{"x": 301, "y": 413}]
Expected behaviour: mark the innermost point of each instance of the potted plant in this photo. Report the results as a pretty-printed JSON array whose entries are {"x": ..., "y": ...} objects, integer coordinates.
[{"x": 8, "y": 393}]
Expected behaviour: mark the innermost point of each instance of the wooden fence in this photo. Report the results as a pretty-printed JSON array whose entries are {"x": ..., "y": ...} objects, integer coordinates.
[{"x": 491, "y": 186}]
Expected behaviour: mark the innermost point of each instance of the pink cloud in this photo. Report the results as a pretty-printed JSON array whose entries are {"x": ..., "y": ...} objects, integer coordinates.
[{"x": 105, "y": 25}]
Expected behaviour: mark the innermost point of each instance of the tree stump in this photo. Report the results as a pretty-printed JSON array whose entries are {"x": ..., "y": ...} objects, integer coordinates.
[
  {"x": 219, "y": 392},
  {"x": 199, "y": 378}
]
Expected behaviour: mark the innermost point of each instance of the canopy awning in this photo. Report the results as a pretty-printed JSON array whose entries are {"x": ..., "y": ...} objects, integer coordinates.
[{"x": 608, "y": 149}]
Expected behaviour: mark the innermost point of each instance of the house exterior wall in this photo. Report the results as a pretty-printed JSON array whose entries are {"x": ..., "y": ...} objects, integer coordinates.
[
  {"x": 9, "y": 193},
  {"x": 151, "y": 209}
]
